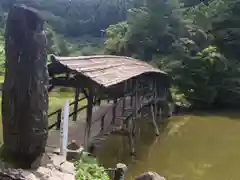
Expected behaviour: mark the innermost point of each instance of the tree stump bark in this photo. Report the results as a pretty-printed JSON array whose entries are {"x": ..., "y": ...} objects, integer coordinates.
[{"x": 25, "y": 97}]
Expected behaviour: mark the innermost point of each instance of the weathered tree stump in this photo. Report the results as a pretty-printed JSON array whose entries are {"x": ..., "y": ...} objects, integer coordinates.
[{"x": 25, "y": 97}]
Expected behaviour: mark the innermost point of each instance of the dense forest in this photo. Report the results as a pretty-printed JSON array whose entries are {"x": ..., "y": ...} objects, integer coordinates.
[{"x": 195, "y": 41}]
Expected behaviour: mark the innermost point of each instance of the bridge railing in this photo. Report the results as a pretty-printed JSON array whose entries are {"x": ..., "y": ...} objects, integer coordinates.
[{"x": 58, "y": 113}]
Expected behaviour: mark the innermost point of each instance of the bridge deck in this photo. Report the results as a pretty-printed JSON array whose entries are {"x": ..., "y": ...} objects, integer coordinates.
[{"x": 77, "y": 128}]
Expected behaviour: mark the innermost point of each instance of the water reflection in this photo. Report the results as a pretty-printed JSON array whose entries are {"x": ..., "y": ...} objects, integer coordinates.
[{"x": 191, "y": 147}]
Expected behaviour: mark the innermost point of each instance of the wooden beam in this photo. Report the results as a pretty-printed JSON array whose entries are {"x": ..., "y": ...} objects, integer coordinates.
[
  {"x": 102, "y": 122},
  {"x": 114, "y": 111},
  {"x": 124, "y": 99},
  {"x": 136, "y": 101},
  {"x": 75, "y": 109},
  {"x": 131, "y": 96},
  {"x": 154, "y": 107},
  {"x": 61, "y": 81},
  {"x": 89, "y": 119},
  {"x": 85, "y": 92}
]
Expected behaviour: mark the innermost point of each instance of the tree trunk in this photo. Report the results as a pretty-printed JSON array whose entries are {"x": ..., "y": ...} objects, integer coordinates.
[{"x": 25, "y": 97}]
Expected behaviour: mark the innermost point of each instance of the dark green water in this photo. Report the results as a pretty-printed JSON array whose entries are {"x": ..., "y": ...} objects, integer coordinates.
[{"x": 191, "y": 147}]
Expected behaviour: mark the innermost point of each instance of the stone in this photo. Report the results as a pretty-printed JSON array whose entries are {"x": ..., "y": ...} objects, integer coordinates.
[
  {"x": 57, "y": 160},
  {"x": 73, "y": 145},
  {"x": 52, "y": 174},
  {"x": 29, "y": 175},
  {"x": 74, "y": 151},
  {"x": 56, "y": 151},
  {"x": 57, "y": 169},
  {"x": 150, "y": 176},
  {"x": 26, "y": 77},
  {"x": 122, "y": 166},
  {"x": 67, "y": 167}
]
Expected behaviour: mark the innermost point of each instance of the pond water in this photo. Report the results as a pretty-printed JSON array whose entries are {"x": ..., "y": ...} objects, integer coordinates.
[{"x": 190, "y": 147}]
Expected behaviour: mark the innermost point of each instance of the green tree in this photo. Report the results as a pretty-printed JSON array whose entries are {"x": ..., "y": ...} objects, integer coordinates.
[
  {"x": 149, "y": 30},
  {"x": 63, "y": 48}
]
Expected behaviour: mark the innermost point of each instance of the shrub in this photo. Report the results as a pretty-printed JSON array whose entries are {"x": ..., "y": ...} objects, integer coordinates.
[{"x": 88, "y": 168}]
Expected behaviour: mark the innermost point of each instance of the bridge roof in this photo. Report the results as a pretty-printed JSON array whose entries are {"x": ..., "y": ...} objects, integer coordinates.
[{"x": 106, "y": 70}]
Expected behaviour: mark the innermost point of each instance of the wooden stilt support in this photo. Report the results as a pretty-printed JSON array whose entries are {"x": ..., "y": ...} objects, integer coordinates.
[
  {"x": 131, "y": 97},
  {"x": 136, "y": 101},
  {"x": 140, "y": 100},
  {"x": 154, "y": 108},
  {"x": 154, "y": 120},
  {"x": 131, "y": 100},
  {"x": 89, "y": 119},
  {"x": 77, "y": 92},
  {"x": 124, "y": 98},
  {"x": 102, "y": 122},
  {"x": 59, "y": 114},
  {"x": 132, "y": 135},
  {"x": 123, "y": 105},
  {"x": 131, "y": 125}
]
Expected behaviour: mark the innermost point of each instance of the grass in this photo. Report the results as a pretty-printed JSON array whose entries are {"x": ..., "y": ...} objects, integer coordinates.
[
  {"x": 56, "y": 101},
  {"x": 1, "y": 79}
]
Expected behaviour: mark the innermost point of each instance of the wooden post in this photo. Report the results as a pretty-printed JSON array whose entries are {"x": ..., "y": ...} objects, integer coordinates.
[
  {"x": 25, "y": 92},
  {"x": 102, "y": 122},
  {"x": 77, "y": 92},
  {"x": 131, "y": 100},
  {"x": 131, "y": 124},
  {"x": 64, "y": 130},
  {"x": 59, "y": 113},
  {"x": 131, "y": 97},
  {"x": 154, "y": 107},
  {"x": 124, "y": 98},
  {"x": 89, "y": 119},
  {"x": 114, "y": 111},
  {"x": 136, "y": 99},
  {"x": 140, "y": 98}
]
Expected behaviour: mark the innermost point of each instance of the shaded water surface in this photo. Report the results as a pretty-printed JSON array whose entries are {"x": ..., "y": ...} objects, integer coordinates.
[{"x": 191, "y": 147}]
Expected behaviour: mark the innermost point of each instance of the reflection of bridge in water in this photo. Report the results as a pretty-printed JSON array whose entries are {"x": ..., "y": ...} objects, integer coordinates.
[{"x": 118, "y": 90}]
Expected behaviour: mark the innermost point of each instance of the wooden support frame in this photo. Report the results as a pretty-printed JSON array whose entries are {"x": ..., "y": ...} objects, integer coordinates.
[{"x": 135, "y": 88}]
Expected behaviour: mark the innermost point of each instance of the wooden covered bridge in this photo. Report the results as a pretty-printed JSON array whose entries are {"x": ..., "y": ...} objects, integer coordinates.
[{"x": 122, "y": 87}]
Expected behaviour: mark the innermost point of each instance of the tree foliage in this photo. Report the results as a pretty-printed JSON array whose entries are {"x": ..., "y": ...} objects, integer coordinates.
[
  {"x": 197, "y": 46},
  {"x": 77, "y": 18},
  {"x": 195, "y": 41}
]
